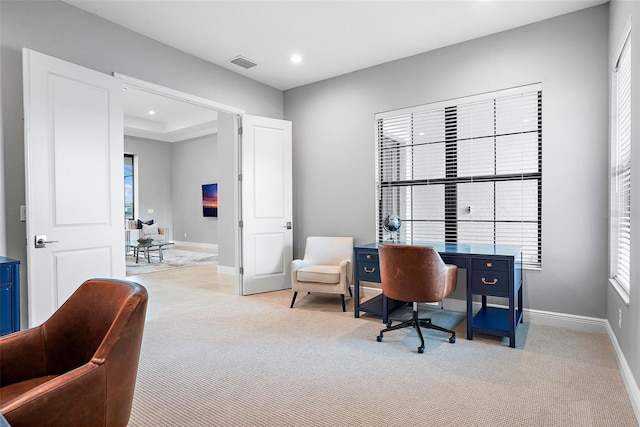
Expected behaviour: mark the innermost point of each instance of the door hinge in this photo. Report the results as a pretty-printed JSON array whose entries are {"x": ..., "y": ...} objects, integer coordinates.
[
  {"x": 241, "y": 224},
  {"x": 240, "y": 177},
  {"x": 241, "y": 270},
  {"x": 240, "y": 130}
]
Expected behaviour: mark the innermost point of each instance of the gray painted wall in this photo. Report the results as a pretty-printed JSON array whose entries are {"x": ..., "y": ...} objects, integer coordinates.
[
  {"x": 60, "y": 30},
  {"x": 170, "y": 176},
  {"x": 195, "y": 162},
  {"x": 154, "y": 179},
  {"x": 334, "y": 144},
  {"x": 227, "y": 132},
  {"x": 629, "y": 335}
]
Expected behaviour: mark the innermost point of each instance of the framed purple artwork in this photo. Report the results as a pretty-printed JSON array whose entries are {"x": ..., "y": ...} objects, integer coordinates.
[{"x": 210, "y": 200}]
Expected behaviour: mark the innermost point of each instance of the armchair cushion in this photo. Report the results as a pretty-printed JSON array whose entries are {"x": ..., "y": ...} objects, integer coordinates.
[{"x": 319, "y": 274}]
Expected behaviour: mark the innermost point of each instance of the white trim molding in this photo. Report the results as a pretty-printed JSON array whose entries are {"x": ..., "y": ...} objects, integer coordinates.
[{"x": 625, "y": 372}]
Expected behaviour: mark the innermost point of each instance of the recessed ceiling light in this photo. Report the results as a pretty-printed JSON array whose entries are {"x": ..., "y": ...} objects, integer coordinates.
[
  {"x": 296, "y": 59},
  {"x": 152, "y": 113}
]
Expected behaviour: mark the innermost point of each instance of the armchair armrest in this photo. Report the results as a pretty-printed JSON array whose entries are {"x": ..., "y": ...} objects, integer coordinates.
[
  {"x": 79, "y": 396},
  {"x": 346, "y": 271},
  {"x": 297, "y": 264},
  {"x": 22, "y": 356}
]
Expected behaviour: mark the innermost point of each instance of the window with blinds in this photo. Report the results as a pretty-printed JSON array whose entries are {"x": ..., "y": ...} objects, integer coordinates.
[
  {"x": 465, "y": 171},
  {"x": 622, "y": 168}
]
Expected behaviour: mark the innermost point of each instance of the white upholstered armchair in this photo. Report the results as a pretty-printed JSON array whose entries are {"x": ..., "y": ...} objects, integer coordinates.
[{"x": 327, "y": 267}]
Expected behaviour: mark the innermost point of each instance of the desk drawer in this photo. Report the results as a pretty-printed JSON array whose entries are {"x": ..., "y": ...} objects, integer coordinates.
[
  {"x": 5, "y": 273},
  {"x": 490, "y": 264},
  {"x": 368, "y": 256},
  {"x": 369, "y": 271},
  {"x": 490, "y": 282}
]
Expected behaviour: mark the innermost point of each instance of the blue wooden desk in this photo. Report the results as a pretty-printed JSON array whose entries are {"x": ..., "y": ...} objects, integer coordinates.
[{"x": 492, "y": 270}]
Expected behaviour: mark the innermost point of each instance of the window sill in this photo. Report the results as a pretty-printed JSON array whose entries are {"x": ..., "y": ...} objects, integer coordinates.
[{"x": 623, "y": 293}]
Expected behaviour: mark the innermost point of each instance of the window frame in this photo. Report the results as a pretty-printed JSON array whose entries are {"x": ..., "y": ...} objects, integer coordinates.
[
  {"x": 619, "y": 168},
  {"x": 451, "y": 179},
  {"x": 133, "y": 186}
]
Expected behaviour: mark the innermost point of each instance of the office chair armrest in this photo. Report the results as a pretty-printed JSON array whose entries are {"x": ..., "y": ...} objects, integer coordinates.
[{"x": 451, "y": 281}]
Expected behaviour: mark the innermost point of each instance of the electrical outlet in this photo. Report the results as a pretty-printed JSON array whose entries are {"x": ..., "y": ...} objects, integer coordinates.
[{"x": 619, "y": 318}]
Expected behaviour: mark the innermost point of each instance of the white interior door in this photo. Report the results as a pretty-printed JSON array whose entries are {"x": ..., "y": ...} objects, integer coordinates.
[
  {"x": 266, "y": 209},
  {"x": 74, "y": 179}
]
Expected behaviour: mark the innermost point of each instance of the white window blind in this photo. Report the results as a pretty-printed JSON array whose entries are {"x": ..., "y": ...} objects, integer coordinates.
[
  {"x": 622, "y": 167},
  {"x": 465, "y": 171}
]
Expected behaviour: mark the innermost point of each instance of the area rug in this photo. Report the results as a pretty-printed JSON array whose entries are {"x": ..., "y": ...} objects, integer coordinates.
[{"x": 172, "y": 258}]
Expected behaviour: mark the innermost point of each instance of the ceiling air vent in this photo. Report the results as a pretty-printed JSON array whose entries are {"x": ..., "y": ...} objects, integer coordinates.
[{"x": 243, "y": 62}]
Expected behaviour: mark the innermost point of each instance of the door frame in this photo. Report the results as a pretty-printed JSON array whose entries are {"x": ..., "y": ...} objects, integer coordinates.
[{"x": 128, "y": 81}]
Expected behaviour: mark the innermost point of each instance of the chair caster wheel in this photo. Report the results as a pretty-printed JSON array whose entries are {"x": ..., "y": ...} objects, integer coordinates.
[
  {"x": 379, "y": 338},
  {"x": 389, "y": 324},
  {"x": 452, "y": 339},
  {"x": 420, "y": 350}
]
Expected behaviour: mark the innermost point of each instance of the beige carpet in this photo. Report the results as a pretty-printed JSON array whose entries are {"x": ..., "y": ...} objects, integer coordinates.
[{"x": 215, "y": 359}]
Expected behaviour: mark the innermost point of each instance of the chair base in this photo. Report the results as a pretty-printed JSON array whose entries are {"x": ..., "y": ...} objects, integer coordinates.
[
  {"x": 344, "y": 306},
  {"x": 415, "y": 322}
]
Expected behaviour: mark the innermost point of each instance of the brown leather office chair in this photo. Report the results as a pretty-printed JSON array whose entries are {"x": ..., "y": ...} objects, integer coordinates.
[
  {"x": 415, "y": 274},
  {"x": 79, "y": 367}
]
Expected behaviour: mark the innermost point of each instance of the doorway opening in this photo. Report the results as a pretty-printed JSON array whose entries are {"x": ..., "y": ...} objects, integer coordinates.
[{"x": 191, "y": 122}]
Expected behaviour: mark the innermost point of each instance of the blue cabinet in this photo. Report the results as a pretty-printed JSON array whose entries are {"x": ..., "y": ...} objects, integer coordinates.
[{"x": 9, "y": 295}]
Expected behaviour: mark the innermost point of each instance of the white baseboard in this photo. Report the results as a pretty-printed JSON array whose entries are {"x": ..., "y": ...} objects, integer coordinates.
[
  {"x": 231, "y": 271},
  {"x": 625, "y": 372},
  {"x": 537, "y": 317},
  {"x": 196, "y": 244}
]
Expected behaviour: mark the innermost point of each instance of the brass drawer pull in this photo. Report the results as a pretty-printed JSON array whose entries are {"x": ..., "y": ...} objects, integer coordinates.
[
  {"x": 493, "y": 282},
  {"x": 368, "y": 256},
  {"x": 367, "y": 270}
]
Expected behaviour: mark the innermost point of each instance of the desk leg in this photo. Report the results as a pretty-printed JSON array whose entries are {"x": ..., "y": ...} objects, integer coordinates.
[
  {"x": 512, "y": 322},
  {"x": 356, "y": 298},
  {"x": 469, "y": 309},
  {"x": 469, "y": 300},
  {"x": 520, "y": 306}
]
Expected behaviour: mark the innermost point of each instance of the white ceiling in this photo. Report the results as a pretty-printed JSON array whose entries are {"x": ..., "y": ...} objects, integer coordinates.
[
  {"x": 173, "y": 120},
  {"x": 333, "y": 37}
]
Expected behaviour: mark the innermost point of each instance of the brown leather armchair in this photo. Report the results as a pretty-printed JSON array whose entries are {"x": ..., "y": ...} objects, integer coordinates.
[
  {"x": 79, "y": 367},
  {"x": 415, "y": 274}
]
